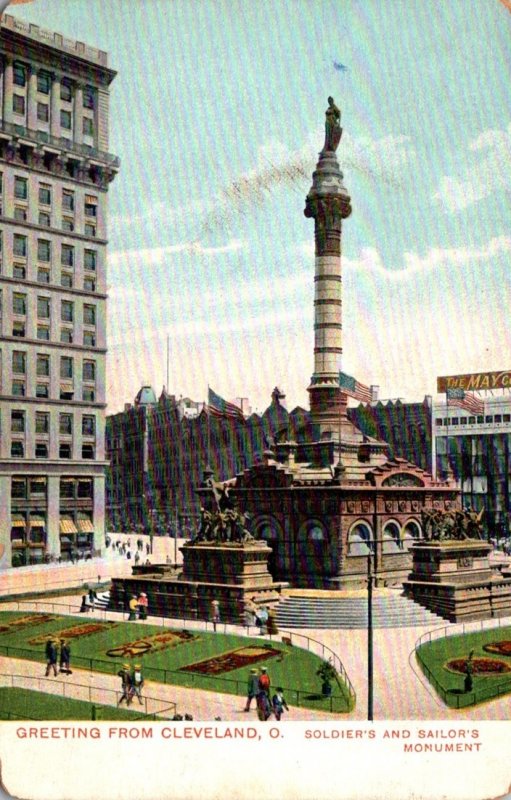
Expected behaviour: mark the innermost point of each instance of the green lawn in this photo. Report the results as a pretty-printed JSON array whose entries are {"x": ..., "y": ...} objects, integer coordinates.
[
  {"x": 25, "y": 704},
  {"x": 433, "y": 656},
  {"x": 294, "y": 668}
]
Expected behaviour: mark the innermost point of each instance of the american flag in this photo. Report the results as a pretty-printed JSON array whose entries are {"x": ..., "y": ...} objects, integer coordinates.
[
  {"x": 462, "y": 399},
  {"x": 218, "y": 407},
  {"x": 355, "y": 389}
]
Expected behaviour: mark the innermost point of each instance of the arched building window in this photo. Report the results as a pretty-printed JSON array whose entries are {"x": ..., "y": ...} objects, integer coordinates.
[
  {"x": 411, "y": 533},
  {"x": 360, "y": 539},
  {"x": 267, "y": 528},
  {"x": 391, "y": 538}
]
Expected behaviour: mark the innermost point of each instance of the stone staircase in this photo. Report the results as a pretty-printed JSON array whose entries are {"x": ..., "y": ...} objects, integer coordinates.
[{"x": 390, "y": 610}]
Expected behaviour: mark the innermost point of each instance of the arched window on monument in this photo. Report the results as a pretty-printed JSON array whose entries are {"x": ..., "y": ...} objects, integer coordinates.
[
  {"x": 391, "y": 538},
  {"x": 360, "y": 540},
  {"x": 411, "y": 533}
]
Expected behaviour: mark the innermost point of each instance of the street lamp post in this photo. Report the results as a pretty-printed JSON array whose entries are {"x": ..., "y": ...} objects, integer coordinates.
[{"x": 369, "y": 637}]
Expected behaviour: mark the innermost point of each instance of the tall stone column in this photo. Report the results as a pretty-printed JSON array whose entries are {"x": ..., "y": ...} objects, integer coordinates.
[
  {"x": 78, "y": 114},
  {"x": 99, "y": 513},
  {"x": 31, "y": 99},
  {"x": 53, "y": 521},
  {"x": 5, "y": 522},
  {"x": 55, "y": 105},
  {"x": 328, "y": 203},
  {"x": 7, "y": 89}
]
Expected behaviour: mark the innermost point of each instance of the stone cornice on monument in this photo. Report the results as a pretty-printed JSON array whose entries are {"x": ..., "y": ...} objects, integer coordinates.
[{"x": 412, "y": 476}]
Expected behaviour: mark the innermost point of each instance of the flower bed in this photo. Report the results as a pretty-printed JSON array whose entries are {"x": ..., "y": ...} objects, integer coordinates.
[
  {"x": 501, "y": 648},
  {"x": 480, "y": 666}
]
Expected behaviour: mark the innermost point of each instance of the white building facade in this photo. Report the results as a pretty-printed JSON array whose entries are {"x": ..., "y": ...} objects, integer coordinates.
[
  {"x": 55, "y": 171},
  {"x": 477, "y": 449}
]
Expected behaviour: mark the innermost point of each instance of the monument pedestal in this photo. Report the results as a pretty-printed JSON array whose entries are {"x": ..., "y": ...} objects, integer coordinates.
[
  {"x": 454, "y": 579},
  {"x": 234, "y": 574}
]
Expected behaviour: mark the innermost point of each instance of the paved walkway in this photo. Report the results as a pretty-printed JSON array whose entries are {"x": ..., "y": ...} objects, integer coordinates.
[
  {"x": 400, "y": 689},
  {"x": 51, "y": 577},
  {"x": 104, "y": 689}
]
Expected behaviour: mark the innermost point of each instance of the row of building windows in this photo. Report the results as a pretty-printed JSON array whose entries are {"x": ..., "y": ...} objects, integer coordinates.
[
  {"x": 42, "y": 391},
  {"x": 44, "y": 81},
  {"x": 487, "y": 419},
  {"x": 43, "y": 115},
  {"x": 19, "y": 366},
  {"x": 41, "y": 450},
  {"x": 42, "y": 423},
  {"x": 45, "y": 192},
  {"x": 35, "y": 488},
  {"x": 67, "y": 335},
  {"x": 21, "y": 192},
  {"x": 67, "y": 279},
  {"x": 44, "y": 252},
  {"x": 67, "y": 309}
]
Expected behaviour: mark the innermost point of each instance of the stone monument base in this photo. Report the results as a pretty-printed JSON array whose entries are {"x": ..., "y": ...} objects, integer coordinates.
[
  {"x": 234, "y": 574},
  {"x": 454, "y": 580}
]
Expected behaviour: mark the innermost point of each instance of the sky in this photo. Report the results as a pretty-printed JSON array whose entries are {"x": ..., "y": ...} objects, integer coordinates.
[{"x": 217, "y": 114}]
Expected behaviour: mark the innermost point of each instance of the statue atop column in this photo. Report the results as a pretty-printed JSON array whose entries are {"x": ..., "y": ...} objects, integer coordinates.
[{"x": 333, "y": 130}]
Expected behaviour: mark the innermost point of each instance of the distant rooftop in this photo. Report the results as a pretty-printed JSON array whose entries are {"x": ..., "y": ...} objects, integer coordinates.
[
  {"x": 146, "y": 396},
  {"x": 57, "y": 40}
]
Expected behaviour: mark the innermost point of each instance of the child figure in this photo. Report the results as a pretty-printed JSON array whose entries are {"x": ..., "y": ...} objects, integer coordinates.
[{"x": 279, "y": 703}]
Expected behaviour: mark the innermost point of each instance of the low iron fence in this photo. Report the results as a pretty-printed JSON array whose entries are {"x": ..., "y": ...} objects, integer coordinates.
[
  {"x": 341, "y": 701},
  {"x": 457, "y": 698},
  {"x": 151, "y": 707}
]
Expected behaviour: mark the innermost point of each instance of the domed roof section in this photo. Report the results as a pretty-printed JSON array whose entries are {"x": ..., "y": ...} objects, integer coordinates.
[{"x": 146, "y": 396}]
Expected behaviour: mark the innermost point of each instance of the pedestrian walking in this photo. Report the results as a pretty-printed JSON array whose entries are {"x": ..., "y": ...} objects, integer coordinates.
[
  {"x": 65, "y": 657},
  {"x": 278, "y": 702},
  {"x": 137, "y": 682},
  {"x": 125, "y": 676},
  {"x": 262, "y": 619},
  {"x": 133, "y": 606},
  {"x": 142, "y": 604},
  {"x": 215, "y": 613},
  {"x": 252, "y": 688},
  {"x": 137, "y": 558},
  {"x": 263, "y": 706},
  {"x": 51, "y": 655},
  {"x": 264, "y": 682}
]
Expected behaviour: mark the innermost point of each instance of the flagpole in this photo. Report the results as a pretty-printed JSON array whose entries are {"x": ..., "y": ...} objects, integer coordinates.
[
  {"x": 168, "y": 359},
  {"x": 447, "y": 434},
  {"x": 208, "y": 434}
]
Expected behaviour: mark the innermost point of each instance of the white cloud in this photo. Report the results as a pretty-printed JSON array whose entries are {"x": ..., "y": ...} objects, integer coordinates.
[
  {"x": 488, "y": 172},
  {"x": 151, "y": 256},
  {"x": 370, "y": 261}
]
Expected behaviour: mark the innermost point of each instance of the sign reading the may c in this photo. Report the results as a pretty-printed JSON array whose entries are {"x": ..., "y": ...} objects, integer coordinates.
[{"x": 478, "y": 381}]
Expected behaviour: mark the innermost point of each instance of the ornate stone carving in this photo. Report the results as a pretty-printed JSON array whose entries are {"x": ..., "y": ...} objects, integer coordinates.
[
  {"x": 402, "y": 479},
  {"x": 440, "y": 525}
]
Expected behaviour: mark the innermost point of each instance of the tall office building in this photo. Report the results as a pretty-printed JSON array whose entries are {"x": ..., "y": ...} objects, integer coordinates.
[{"x": 55, "y": 170}]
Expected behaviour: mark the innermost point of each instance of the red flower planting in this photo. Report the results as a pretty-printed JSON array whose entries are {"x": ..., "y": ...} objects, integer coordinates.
[
  {"x": 480, "y": 666},
  {"x": 501, "y": 648}
]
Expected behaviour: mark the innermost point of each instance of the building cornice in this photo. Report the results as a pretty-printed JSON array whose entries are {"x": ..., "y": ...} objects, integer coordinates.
[
  {"x": 46, "y": 401},
  {"x": 20, "y": 44},
  {"x": 20, "y": 340},
  {"x": 53, "y": 231},
  {"x": 52, "y": 287}
]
